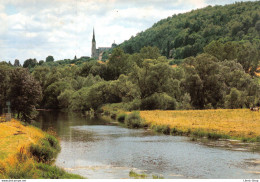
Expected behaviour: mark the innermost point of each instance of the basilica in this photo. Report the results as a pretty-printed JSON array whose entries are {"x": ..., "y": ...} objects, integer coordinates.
[{"x": 97, "y": 53}]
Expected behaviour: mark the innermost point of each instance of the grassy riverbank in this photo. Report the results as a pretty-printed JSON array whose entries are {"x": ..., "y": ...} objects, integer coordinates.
[
  {"x": 27, "y": 152},
  {"x": 241, "y": 124}
]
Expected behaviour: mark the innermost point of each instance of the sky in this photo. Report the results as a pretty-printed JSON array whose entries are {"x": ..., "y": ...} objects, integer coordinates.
[{"x": 63, "y": 28}]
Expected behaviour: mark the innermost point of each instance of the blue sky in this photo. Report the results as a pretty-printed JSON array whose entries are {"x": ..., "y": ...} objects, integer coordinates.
[{"x": 63, "y": 28}]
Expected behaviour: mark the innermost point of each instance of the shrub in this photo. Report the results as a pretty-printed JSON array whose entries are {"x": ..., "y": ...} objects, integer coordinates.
[
  {"x": 134, "y": 105},
  {"x": 214, "y": 136},
  {"x": 159, "y": 101},
  {"x": 113, "y": 115},
  {"x": 46, "y": 150},
  {"x": 133, "y": 120},
  {"x": 135, "y": 175},
  {"x": 53, "y": 142},
  {"x": 165, "y": 129},
  {"x": 121, "y": 117}
]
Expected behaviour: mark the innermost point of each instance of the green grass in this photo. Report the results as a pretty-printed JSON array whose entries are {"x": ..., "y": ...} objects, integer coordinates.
[
  {"x": 135, "y": 175},
  {"x": 158, "y": 177},
  {"x": 46, "y": 171}
]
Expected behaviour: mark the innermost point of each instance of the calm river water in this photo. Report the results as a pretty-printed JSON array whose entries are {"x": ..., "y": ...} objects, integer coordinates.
[{"x": 94, "y": 149}]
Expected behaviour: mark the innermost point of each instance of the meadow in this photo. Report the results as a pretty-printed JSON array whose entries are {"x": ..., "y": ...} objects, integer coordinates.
[
  {"x": 224, "y": 123},
  {"x": 27, "y": 152}
]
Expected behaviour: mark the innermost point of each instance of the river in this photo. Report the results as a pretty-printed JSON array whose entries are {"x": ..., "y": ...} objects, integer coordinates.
[{"x": 97, "y": 150}]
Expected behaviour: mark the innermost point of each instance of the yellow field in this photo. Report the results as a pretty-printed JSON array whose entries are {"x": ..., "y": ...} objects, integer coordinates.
[
  {"x": 14, "y": 137},
  {"x": 232, "y": 122}
]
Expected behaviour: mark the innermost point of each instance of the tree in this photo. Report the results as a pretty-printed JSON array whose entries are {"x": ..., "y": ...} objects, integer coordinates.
[
  {"x": 49, "y": 59},
  {"x": 5, "y": 70},
  {"x": 41, "y": 62},
  {"x": 233, "y": 100},
  {"x": 25, "y": 93},
  {"x": 17, "y": 63},
  {"x": 30, "y": 63},
  {"x": 118, "y": 63}
]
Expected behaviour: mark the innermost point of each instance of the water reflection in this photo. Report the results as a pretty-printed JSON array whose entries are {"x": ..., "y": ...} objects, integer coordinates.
[{"x": 95, "y": 150}]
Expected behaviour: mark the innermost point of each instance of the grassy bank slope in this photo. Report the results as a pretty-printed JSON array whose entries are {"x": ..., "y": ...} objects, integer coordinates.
[
  {"x": 235, "y": 123},
  {"x": 27, "y": 152}
]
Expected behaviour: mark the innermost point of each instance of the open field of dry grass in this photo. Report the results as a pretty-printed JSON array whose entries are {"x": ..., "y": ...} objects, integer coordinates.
[
  {"x": 14, "y": 136},
  {"x": 240, "y": 123}
]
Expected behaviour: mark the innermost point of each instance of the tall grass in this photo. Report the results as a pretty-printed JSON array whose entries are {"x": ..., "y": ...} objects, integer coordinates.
[
  {"x": 28, "y": 153},
  {"x": 241, "y": 124}
]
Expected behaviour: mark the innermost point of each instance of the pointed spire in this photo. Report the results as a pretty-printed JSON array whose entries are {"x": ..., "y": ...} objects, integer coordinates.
[{"x": 93, "y": 39}]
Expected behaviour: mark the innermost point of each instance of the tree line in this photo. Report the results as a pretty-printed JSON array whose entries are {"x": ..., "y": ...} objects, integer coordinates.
[{"x": 217, "y": 78}]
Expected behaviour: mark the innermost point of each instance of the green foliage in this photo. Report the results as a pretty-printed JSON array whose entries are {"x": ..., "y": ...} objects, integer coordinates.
[
  {"x": 162, "y": 129},
  {"x": 21, "y": 171},
  {"x": 134, "y": 120},
  {"x": 52, "y": 172},
  {"x": 246, "y": 53},
  {"x": 159, "y": 101},
  {"x": 158, "y": 177},
  {"x": 118, "y": 63},
  {"x": 233, "y": 100},
  {"x": 49, "y": 59},
  {"x": 184, "y": 35},
  {"x": 46, "y": 150},
  {"x": 30, "y": 63},
  {"x": 135, "y": 175},
  {"x": 25, "y": 93},
  {"x": 121, "y": 117}
]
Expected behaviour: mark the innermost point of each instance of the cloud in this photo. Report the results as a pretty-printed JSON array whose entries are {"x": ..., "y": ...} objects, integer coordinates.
[{"x": 63, "y": 28}]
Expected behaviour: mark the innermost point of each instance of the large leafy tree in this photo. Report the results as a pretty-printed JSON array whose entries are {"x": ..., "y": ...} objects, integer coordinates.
[
  {"x": 49, "y": 59},
  {"x": 5, "y": 70},
  {"x": 25, "y": 93}
]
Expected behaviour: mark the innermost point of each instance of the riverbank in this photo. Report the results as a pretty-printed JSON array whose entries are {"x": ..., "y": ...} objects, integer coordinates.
[
  {"x": 27, "y": 152},
  {"x": 239, "y": 124}
]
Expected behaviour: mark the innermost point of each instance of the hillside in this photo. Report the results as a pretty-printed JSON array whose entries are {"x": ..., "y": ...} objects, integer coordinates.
[{"x": 185, "y": 35}]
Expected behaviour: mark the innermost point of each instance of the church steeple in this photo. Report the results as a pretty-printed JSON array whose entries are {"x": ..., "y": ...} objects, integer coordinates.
[
  {"x": 93, "y": 39},
  {"x": 93, "y": 49}
]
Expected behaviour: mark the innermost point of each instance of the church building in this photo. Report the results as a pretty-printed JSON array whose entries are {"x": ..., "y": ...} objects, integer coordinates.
[{"x": 97, "y": 53}]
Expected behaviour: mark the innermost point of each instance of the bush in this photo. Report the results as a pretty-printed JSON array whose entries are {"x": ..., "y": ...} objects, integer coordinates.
[
  {"x": 165, "y": 129},
  {"x": 134, "y": 120},
  {"x": 134, "y": 105},
  {"x": 159, "y": 101},
  {"x": 53, "y": 142},
  {"x": 121, "y": 117},
  {"x": 47, "y": 149},
  {"x": 135, "y": 175}
]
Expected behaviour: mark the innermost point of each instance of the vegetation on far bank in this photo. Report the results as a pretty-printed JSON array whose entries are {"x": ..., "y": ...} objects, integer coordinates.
[
  {"x": 27, "y": 152},
  {"x": 241, "y": 124}
]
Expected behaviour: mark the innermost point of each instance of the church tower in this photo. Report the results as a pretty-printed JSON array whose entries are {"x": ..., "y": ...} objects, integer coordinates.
[{"x": 93, "y": 50}]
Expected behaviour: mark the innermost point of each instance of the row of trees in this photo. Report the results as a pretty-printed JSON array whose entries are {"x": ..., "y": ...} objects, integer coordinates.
[
  {"x": 217, "y": 78},
  {"x": 145, "y": 80},
  {"x": 20, "y": 88}
]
